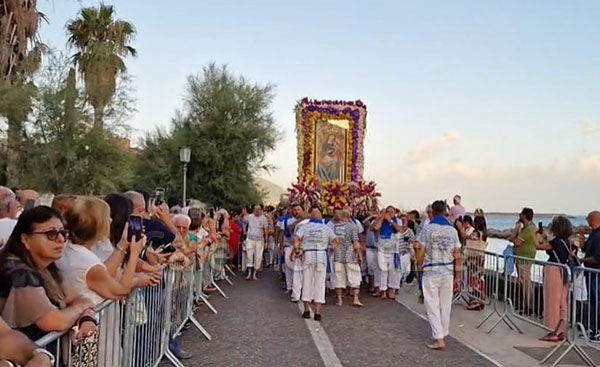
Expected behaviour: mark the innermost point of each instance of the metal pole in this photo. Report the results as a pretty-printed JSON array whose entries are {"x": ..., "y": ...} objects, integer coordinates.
[{"x": 184, "y": 182}]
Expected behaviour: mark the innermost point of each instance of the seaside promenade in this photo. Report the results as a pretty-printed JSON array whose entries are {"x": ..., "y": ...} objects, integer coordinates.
[{"x": 257, "y": 325}]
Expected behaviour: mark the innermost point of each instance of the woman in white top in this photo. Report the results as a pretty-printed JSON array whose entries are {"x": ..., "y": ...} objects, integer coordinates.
[{"x": 83, "y": 272}]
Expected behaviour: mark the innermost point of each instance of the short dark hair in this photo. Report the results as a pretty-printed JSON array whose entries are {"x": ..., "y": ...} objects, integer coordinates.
[
  {"x": 415, "y": 213},
  {"x": 467, "y": 219},
  {"x": 527, "y": 213},
  {"x": 439, "y": 207},
  {"x": 561, "y": 227}
]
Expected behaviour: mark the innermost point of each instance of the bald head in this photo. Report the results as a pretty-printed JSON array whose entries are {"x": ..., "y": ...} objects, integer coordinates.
[
  {"x": 139, "y": 203},
  {"x": 594, "y": 219}
]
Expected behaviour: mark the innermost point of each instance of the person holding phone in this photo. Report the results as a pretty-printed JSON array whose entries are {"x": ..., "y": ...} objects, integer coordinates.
[
  {"x": 385, "y": 226},
  {"x": 524, "y": 238}
]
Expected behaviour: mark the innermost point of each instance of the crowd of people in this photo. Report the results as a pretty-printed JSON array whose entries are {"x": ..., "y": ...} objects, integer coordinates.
[{"x": 58, "y": 262}]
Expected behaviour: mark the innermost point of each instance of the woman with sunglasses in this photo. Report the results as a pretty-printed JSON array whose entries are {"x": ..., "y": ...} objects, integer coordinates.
[{"x": 31, "y": 299}]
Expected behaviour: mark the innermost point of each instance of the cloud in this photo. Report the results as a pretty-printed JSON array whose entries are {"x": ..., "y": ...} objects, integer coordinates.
[
  {"x": 428, "y": 148},
  {"x": 589, "y": 126},
  {"x": 467, "y": 171}
]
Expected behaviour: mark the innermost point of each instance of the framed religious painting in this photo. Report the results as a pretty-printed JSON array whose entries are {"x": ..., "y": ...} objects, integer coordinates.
[{"x": 330, "y": 136}]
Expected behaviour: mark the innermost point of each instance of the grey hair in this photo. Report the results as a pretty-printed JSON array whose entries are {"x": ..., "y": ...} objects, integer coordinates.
[
  {"x": 177, "y": 217},
  {"x": 7, "y": 196},
  {"x": 131, "y": 195}
]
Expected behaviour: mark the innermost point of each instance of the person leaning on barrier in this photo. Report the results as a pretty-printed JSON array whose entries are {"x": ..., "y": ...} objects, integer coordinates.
[
  {"x": 16, "y": 349},
  {"x": 83, "y": 271},
  {"x": 31, "y": 298},
  {"x": 524, "y": 237},
  {"x": 592, "y": 261},
  {"x": 556, "y": 288}
]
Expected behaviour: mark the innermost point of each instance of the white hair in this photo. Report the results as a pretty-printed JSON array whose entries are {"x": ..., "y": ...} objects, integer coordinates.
[{"x": 178, "y": 217}]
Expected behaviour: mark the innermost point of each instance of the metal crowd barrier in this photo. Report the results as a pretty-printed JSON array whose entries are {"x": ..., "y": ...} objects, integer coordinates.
[
  {"x": 586, "y": 308},
  {"x": 135, "y": 332},
  {"x": 524, "y": 292}
]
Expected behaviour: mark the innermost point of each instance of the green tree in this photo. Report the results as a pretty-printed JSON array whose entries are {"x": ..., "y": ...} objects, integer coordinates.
[
  {"x": 20, "y": 55},
  {"x": 228, "y": 124},
  {"x": 63, "y": 152},
  {"x": 102, "y": 43}
]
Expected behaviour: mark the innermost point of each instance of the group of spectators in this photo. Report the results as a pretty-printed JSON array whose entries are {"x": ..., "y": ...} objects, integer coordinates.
[{"x": 58, "y": 262}]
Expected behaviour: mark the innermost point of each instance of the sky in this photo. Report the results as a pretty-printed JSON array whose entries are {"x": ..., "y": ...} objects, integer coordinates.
[{"x": 498, "y": 101}]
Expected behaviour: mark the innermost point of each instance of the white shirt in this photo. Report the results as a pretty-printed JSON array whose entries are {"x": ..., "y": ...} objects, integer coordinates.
[
  {"x": 74, "y": 266},
  {"x": 257, "y": 226},
  {"x": 439, "y": 241},
  {"x": 287, "y": 241},
  {"x": 6, "y": 227},
  {"x": 103, "y": 249},
  {"x": 315, "y": 238}
]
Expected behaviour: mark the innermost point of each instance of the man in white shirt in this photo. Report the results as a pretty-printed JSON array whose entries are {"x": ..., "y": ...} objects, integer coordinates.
[
  {"x": 9, "y": 207},
  {"x": 311, "y": 244},
  {"x": 258, "y": 226},
  {"x": 439, "y": 256}
]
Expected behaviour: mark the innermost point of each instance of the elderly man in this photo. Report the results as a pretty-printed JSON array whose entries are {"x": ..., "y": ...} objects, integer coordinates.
[
  {"x": 311, "y": 244},
  {"x": 9, "y": 209},
  {"x": 592, "y": 261},
  {"x": 438, "y": 255},
  {"x": 258, "y": 233},
  {"x": 27, "y": 198},
  {"x": 347, "y": 256},
  {"x": 16, "y": 348}
]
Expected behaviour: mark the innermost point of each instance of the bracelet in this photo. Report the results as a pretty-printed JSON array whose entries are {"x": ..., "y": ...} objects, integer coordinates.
[
  {"x": 43, "y": 351},
  {"x": 11, "y": 364},
  {"x": 122, "y": 250},
  {"x": 87, "y": 318}
]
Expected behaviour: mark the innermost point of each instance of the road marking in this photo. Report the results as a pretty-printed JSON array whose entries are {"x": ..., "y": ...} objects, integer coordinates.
[
  {"x": 321, "y": 340},
  {"x": 490, "y": 359}
]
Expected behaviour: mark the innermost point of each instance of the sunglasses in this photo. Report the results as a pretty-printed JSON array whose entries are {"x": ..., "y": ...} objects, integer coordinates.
[{"x": 52, "y": 234}]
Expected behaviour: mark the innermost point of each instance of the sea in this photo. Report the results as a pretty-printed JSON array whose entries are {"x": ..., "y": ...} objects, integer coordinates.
[{"x": 503, "y": 221}]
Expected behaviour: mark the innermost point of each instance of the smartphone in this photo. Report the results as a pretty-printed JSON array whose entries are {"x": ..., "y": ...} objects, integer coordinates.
[
  {"x": 540, "y": 227},
  {"x": 29, "y": 204},
  {"x": 159, "y": 196},
  {"x": 136, "y": 228}
]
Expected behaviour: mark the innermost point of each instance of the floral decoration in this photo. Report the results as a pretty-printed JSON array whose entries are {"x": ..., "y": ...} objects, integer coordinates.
[{"x": 308, "y": 112}]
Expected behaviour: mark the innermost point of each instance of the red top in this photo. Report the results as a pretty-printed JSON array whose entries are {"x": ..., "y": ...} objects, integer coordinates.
[{"x": 235, "y": 234}]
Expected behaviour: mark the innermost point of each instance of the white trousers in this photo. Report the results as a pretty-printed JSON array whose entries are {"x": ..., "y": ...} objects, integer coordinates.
[
  {"x": 437, "y": 293},
  {"x": 373, "y": 268},
  {"x": 254, "y": 252},
  {"x": 293, "y": 273},
  {"x": 331, "y": 276},
  {"x": 347, "y": 275},
  {"x": 389, "y": 277},
  {"x": 313, "y": 283},
  {"x": 405, "y": 265}
]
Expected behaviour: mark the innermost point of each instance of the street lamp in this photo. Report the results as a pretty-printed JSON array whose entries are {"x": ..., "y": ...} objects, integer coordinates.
[{"x": 184, "y": 157}]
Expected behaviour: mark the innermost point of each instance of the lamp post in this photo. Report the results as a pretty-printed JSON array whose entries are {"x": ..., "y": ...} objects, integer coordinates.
[{"x": 184, "y": 157}]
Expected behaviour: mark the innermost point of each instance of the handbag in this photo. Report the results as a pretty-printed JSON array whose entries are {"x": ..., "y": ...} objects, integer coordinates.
[{"x": 571, "y": 263}]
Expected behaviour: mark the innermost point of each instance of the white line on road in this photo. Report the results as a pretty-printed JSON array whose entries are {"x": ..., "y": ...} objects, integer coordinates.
[{"x": 321, "y": 340}]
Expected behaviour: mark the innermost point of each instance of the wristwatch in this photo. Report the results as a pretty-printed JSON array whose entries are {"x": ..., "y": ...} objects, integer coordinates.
[{"x": 39, "y": 351}]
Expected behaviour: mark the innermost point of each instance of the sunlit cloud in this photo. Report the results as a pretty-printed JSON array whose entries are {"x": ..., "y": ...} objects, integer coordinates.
[
  {"x": 589, "y": 126},
  {"x": 428, "y": 148}
]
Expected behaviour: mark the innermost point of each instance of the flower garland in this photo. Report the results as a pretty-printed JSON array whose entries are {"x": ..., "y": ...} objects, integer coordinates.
[
  {"x": 308, "y": 112},
  {"x": 361, "y": 196}
]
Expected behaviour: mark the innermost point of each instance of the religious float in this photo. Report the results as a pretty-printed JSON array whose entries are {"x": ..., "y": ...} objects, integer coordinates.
[{"x": 330, "y": 137}]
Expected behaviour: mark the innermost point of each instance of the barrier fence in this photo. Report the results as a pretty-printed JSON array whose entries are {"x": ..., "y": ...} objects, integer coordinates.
[
  {"x": 136, "y": 332},
  {"x": 548, "y": 295}
]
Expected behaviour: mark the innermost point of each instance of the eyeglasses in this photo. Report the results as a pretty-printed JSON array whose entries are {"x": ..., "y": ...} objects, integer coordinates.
[{"x": 52, "y": 234}]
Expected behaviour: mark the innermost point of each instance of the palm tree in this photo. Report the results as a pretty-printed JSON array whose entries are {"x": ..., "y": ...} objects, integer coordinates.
[
  {"x": 20, "y": 56},
  {"x": 102, "y": 43}
]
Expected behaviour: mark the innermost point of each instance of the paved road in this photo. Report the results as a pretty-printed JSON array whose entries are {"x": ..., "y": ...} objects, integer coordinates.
[{"x": 258, "y": 326}]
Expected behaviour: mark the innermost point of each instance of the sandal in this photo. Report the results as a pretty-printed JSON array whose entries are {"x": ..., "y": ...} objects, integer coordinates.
[{"x": 550, "y": 337}]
